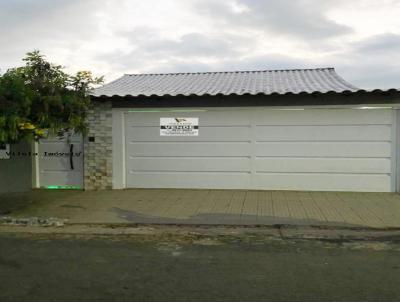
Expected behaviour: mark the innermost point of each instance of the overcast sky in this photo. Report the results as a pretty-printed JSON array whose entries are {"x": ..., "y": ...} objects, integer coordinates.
[{"x": 360, "y": 38}]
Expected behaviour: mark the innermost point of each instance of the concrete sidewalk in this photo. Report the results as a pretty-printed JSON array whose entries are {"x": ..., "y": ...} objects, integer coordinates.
[{"x": 209, "y": 207}]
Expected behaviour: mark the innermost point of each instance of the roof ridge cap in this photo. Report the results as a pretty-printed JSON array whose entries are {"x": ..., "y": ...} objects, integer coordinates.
[{"x": 232, "y": 71}]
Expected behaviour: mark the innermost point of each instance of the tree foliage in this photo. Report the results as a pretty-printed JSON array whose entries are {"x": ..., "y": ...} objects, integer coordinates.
[{"x": 40, "y": 97}]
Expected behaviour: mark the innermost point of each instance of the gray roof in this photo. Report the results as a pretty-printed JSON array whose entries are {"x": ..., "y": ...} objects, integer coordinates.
[{"x": 320, "y": 80}]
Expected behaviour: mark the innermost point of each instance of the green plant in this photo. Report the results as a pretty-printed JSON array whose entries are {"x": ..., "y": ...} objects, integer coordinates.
[{"x": 40, "y": 97}]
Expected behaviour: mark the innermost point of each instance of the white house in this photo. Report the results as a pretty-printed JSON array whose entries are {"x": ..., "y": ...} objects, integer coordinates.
[{"x": 297, "y": 129}]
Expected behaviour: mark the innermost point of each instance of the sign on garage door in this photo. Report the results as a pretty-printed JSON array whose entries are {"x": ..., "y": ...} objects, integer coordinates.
[{"x": 179, "y": 126}]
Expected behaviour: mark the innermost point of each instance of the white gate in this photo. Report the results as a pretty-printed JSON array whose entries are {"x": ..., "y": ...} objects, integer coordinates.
[{"x": 60, "y": 162}]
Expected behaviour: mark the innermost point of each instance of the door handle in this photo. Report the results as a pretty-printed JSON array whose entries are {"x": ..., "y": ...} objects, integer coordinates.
[{"x": 71, "y": 155}]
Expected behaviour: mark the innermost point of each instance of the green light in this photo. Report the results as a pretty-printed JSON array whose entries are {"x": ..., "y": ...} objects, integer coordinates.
[
  {"x": 52, "y": 187},
  {"x": 62, "y": 187}
]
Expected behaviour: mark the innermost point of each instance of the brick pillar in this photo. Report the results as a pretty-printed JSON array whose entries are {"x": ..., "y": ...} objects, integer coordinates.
[{"x": 98, "y": 153}]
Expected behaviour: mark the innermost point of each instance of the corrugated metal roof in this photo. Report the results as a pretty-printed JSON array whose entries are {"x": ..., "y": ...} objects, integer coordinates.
[{"x": 320, "y": 80}]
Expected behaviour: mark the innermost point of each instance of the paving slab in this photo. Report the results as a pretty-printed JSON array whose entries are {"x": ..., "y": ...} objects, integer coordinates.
[{"x": 209, "y": 207}]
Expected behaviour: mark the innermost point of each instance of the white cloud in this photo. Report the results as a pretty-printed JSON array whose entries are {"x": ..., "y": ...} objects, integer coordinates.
[{"x": 361, "y": 37}]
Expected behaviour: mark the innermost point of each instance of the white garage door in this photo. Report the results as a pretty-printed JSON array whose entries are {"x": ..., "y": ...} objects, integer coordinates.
[{"x": 319, "y": 149}]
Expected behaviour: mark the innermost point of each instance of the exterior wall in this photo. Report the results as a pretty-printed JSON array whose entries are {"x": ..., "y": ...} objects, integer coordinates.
[
  {"x": 16, "y": 172},
  {"x": 98, "y": 153},
  {"x": 105, "y": 162}
]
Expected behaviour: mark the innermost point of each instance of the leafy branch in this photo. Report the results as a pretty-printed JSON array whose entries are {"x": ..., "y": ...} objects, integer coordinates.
[{"x": 40, "y": 97}]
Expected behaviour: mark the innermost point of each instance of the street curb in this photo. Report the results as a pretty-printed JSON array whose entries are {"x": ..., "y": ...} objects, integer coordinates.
[
  {"x": 282, "y": 233},
  {"x": 57, "y": 222},
  {"x": 246, "y": 226}
]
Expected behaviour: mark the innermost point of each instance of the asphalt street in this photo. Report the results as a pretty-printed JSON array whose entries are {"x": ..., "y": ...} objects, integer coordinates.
[{"x": 50, "y": 267}]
